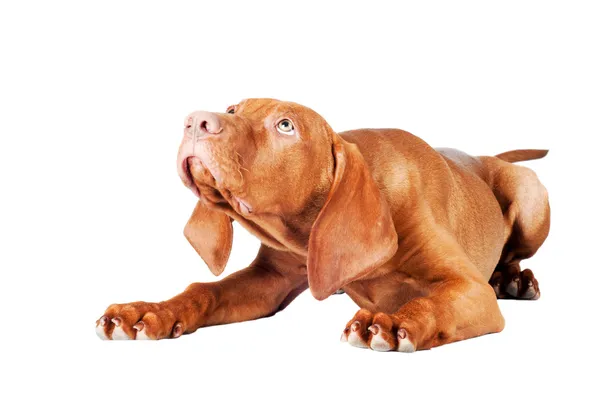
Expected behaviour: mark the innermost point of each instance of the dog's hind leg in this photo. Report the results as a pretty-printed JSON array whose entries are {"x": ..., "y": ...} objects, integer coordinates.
[{"x": 524, "y": 201}]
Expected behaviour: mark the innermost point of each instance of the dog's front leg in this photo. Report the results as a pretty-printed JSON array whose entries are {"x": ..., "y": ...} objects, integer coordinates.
[
  {"x": 459, "y": 305},
  {"x": 269, "y": 284}
]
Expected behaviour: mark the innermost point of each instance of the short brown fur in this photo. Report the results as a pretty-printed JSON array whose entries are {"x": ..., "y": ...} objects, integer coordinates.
[{"x": 410, "y": 233}]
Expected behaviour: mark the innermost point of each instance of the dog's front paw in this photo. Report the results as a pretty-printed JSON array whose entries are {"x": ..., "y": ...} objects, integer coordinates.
[
  {"x": 138, "y": 320},
  {"x": 380, "y": 332}
]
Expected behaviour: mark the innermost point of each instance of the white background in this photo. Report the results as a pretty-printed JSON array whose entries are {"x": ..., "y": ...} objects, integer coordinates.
[{"x": 93, "y": 97}]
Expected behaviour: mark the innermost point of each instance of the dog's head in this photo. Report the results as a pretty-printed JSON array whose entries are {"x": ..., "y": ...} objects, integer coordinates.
[{"x": 281, "y": 171}]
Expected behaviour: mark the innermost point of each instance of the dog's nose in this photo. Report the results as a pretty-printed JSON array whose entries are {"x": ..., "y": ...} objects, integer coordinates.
[{"x": 203, "y": 122}]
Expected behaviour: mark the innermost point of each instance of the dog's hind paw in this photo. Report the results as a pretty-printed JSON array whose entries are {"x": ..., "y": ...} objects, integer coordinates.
[{"x": 512, "y": 283}]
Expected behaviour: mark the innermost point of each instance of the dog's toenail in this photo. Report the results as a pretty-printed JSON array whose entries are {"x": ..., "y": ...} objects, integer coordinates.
[
  {"x": 355, "y": 326},
  {"x": 103, "y": 321},
  {"x": 374, "y": 329},
  {"x": 139, "y": 326},
  {"x": 402, "y": 333},
  {"x": 177, "y": 330},
  {"x": 116, "y": 321}
]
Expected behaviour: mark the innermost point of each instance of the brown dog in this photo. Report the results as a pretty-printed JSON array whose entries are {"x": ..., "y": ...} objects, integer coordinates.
[{"x": 411, "y": 234}]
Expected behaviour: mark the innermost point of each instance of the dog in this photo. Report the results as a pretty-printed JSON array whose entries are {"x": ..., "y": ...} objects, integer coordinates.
[{"x": 423, "y": 240}]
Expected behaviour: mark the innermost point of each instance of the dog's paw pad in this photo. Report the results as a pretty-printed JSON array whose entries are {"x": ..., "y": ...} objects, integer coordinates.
[
  {"x": 513, "y": 287},
  {"x": 530, "y": 289},
  {"x": 141, "y": 332},
  {"x": 100, "y": 328},
  {"x": 405, "y": 345},
  {"x": 344, "y": 337},
  {"x": 356, "y": 337},
  {"x": 119, "y": 334},
  {"x": 380, "y": 340},
  {"x": 356, "y": 333}
]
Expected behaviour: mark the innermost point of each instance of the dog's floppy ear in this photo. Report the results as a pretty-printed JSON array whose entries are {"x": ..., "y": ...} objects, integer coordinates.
[
  {"x": 211, "y": 234},
  {"x": 354, "y": 232}
]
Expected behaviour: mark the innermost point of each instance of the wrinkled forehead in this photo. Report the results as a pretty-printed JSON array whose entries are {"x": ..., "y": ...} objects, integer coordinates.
[
  {"x": 263, "y": 112},
  {"x": 261, "y": 108}
]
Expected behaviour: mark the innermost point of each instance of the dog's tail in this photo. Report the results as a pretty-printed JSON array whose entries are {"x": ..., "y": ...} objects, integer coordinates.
[{"x": 522, "y": 155}]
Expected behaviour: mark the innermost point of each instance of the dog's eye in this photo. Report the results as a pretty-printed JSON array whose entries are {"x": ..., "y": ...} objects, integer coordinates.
[
  {"x": 285, "y": 127},
  {"x": 231, "y": 110}
]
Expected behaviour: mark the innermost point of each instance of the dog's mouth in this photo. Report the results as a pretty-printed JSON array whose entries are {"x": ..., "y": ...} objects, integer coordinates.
[
  {"x": 195, "y": 165},
  {"x": 185, "y": 173}
]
